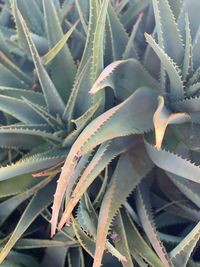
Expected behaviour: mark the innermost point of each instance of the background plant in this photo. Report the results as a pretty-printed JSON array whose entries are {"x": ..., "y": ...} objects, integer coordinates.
[{"x": 56, "y": 104}]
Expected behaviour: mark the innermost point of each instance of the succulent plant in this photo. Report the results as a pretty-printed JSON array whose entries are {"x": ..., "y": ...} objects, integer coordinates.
[{"x": 125, "y": 160}]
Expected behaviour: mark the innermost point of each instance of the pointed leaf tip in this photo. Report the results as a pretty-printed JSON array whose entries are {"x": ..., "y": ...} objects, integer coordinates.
[{"x": 162, "y": 118}]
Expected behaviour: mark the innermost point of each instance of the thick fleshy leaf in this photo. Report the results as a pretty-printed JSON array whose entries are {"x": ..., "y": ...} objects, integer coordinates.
[
  {"x": 132, "y": 12},
  {"x": 146, "y": 218},
  {"x": 181, "y": 254},
  {"x": 87, "y": 217},
  {"x": 138, "y": 245},
  {"x": 32, "y": 96},
  {"x": 98, "y": 45},
  {"x": 9, "y": 205},
  {"x": 173, "y": 163},
  {"x": 121, "y": 185},
  {"x": 104, "y": 128},
  {"x": 168, "y": 30},
  {"x": 93, "y": 15},
  {"x": 15, "y": 70},
  {"x": 28, "y": 243},
  {"x": 33, "y": 15},
  {"x": 196, "y": 45},
  {"x": 16, "y": 185},
  {"x": 52, "y": 53},
  {"x": 121, "y": 242},
  {"x": 63, "y": 62},
  {"x": 191, "y": 106},
  {"x": 163, "y": 117},
  {"x": 124, "y": 77},
  {"x": 130, "y": 48},
  {"x": 191, "y": 8},
  {"x": 39, "y": 202},
  {"x": 173, "y": 71},
  {"x": 188, "y": 188},
  {"x": 19, "y": 109},
  {"x": 188, "y": 63},
  {"x": 53, "y": 99},
  {"x": 118, "y": 33},
  {"x": 105, "y": 154},
  {"x": 32, "y": 163}
]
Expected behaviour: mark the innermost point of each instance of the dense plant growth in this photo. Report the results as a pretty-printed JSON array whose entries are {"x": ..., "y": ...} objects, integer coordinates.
[{"x": 100, "y": 116}]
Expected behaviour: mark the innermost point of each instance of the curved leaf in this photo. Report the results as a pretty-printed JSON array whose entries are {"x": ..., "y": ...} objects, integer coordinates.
[
  {"x": 124, "y": 77},
  {"x": 163, "y": 117},
  {"x": 144, "y": 211},
  {"x": 38, "y": 203},
  {"x": 63, "y": 62},
  {"x": 173, "y": 163},
  {"x": 181, "y": 254},
  {"x": 104, "y": 128},
  {"x": 52, "y": 97},
  {"x": 121, "y": 185},
  {"x": 173, "y": 71}
]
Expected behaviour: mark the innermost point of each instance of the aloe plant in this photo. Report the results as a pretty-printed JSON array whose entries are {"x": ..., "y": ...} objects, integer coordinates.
[{"x": 126, "y": 158}]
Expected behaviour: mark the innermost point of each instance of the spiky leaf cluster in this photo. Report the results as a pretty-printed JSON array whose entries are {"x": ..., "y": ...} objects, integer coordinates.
[{"x": 102, "y": 97}]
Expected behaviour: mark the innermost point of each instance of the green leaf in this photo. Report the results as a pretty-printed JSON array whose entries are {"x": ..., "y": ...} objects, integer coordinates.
[
  {"x": 124, "y": 77},
  {"x": 189, "y": 105},
  {"x": 29, "y": 243},
  {"x": 16, "y": 185},
  {"x": 191, "y": 8},
  {"x": 20, "y": 33},
  {"x": 167, "y": 28},
  {"x": 173, "y": 71},
  {"x": 196, "y": 46},
  {"x": 107, "y": 127},
  {"x": 93, "y": 15},
  {"x": 33, "y": 15},
  {"x": 52, "y": 53},
  {"x": 188, "y": 188},
  {"x": 63, "y": 62},
  {"x": 173, "y": 163},
  {"x": 43, "y": 113},
  {"x": 98, "y": 41},
  {"x": 134, "y": 9},
  {"x": 81, "y": 15},
  {"x": 181, "y": 254},
  {"x": 19, "y": 109},
  {"x": 32, "y": 96},
  {"x": 193, "y": 89},
  {"x": 146, "y": 218},
  {"x": 26, "y": 191},
  {"x": 88, "y": 220},
  {"x": 27, "y": 131},
  {"x": 15, "y": 70},
  {"x": 104, "y": 155},
  {"x": 52, "y": 97},
  {"x": 11, "y": 139},
  {"x": 7, "y": 78},
  {"x": 118, "y": 33},
  {"x": 122, "y": 243},
  {"x": 138, "y": 245},
  {"x": 39, "y": 202},
  {"x": 80, "y": 123},
  {"x": 121, "y": 185},
  {"x": 163, "y": 117},
  {"x": 77, "y": 95},
  {"x": 130, "y": 48},
  {"x": 32, "y": 163},
  {"x": 86, "y": 242},
  {"x": 188, "y": 62}
]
